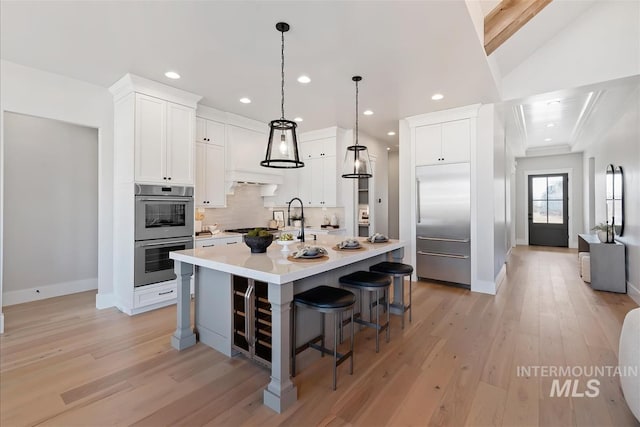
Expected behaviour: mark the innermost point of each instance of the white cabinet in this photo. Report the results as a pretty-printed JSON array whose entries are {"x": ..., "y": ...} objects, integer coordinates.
[
  {"x": 448, "y": 142},
  {"x": 287, "y": 190},
  {"x": 209, "y": 131},
  {"x": 205, "y": 243},
  {"x": 318, "y": 178},
  {"x": 246, "y": 148},
  {"x": 163, "y": 141},
  {"x": 210, "y": 186}
]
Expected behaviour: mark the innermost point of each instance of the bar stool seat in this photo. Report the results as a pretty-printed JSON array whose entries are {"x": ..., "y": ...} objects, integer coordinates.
[
  {"x": 372, "y": 282},
  {"x": 324, "y": 299},
  {"x": 397, "y": 270}
]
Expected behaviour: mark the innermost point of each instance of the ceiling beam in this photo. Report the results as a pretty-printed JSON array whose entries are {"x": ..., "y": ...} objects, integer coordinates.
[{"x": 507, "y": 18}]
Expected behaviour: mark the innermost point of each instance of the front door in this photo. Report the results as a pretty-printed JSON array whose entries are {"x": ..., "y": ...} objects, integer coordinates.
[{"x": 548, "y": 210}]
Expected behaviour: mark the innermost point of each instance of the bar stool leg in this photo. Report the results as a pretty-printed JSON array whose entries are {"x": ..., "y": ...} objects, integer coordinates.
[
  {"x": 410, "y": 302},
  {"x": 377, "y": 324},
  {"x": 353, "y": 325},
  {"x": 335, "y": 349},
  {"x": 324, "y": 318},
  {"x": 389, "y": 314}
]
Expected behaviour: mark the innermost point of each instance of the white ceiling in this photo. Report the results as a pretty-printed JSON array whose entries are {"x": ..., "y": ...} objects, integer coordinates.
[{"x": 405, "y": 50}]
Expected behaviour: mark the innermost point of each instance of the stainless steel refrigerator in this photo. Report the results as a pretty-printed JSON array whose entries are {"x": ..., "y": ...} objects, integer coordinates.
[{"x": 443, "y": 248}]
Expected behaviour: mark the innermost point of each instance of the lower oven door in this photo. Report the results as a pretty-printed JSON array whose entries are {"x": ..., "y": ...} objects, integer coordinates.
[{"x": 151, "y": 259}]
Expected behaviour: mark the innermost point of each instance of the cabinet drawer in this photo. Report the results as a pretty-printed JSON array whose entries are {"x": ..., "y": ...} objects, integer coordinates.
[
  {"x": 205, "y": 243},
  {"x": 445, "y": 267},
  {"x": 155, "y": 294}
]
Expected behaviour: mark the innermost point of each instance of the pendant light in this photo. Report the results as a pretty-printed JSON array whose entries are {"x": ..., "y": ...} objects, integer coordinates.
[
  {"x": 282, "y": 149},
  {"x": 356, "y": 160}
]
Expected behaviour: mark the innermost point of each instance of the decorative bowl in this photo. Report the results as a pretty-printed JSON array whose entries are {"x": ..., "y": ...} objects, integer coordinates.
[
  {"x": 285, "y": 244},
  {"x": 258, "y": 244}
]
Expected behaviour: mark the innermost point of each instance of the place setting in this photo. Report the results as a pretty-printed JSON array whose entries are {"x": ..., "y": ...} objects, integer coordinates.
[
  {"x": 309, "y": 254},
  {"x": 348, "y": 245},
  {"x": 376, "y": 238}
]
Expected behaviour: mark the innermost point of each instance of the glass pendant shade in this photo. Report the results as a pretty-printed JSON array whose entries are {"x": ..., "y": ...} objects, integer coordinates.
[
  {"x": 356, "y": 162},
  {"x": 282, "y": 148}
]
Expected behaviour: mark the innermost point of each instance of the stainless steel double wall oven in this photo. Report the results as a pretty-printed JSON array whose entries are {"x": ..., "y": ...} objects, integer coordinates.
[{"x": 163, "y": 223}]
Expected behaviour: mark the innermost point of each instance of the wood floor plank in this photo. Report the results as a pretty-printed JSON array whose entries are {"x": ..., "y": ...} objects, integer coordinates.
[{"x": 64, "y": 363}]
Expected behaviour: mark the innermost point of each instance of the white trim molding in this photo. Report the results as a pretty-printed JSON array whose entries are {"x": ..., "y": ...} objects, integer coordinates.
[
  {"x": 502, "y": 275},
  {"x": 105, "y": 300},
  {"x": 572, "y": 240},
  {"x": 633, "y": 292},
  {"x": 1, "y": 323},
  {"x": 49, "y": 291}
]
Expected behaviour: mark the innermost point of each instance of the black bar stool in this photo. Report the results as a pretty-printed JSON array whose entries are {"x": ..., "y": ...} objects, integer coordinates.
[
  {"x": 372, "y": 282},
  {"x": 397, "y": 270},
  {"x": 325, "y": 299}
]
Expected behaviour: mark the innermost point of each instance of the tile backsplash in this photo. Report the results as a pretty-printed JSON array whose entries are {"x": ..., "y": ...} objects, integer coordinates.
[{"x": 245, "y": 209}]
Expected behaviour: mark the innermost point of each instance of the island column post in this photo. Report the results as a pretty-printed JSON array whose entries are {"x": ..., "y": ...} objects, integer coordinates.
[{"x": 183, "y": 337}]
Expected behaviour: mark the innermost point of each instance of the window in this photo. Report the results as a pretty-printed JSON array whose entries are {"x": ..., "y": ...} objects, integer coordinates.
[{"x": 547, "y": 199}]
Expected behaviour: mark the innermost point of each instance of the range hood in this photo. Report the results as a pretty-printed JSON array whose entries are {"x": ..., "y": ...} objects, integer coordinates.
[{"x": 267, "y": 181}]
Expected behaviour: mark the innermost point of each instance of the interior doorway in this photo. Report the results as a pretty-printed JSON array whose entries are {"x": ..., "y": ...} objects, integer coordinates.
[{"x": 548, "y": 210}]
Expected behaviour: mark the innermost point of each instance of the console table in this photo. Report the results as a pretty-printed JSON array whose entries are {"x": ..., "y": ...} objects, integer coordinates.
[{"x": 607, "y": 263}]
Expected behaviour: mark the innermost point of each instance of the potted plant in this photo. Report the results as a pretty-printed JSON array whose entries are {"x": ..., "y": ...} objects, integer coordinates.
[{"x": 604, "y": 232}]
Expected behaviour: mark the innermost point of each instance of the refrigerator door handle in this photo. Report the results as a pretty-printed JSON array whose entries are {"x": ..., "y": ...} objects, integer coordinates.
[
  {"x": 248, "y": 315},
  {"x": 442, "y": 239},
  {"x": 443, "y": 255},
  {"x": 417, "y": 201}
]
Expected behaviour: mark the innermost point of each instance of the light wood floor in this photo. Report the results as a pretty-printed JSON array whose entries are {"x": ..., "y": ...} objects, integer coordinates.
[{"x": 65, "y": 363}]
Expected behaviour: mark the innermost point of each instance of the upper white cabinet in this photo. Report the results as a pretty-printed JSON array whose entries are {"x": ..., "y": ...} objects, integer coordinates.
[
  {"x": 209, "y": 131},
  {"x": 448, "y": 142},
  {"x": 318, "y": 185},
  {"x": 210, "y": 181},
  {"x": 163, "y": 141}
]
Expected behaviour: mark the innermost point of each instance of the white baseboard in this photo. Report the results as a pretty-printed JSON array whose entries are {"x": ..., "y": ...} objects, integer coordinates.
[
  {"x": 502, "y": 275},
  {"x": 522, "y": 242},
  {"x": 483, "y": 287},
  {"x": 104, "y": 300},
  {"x": 48, "y": 291},
  {"x": 633, "y": 292},
  {"x": 1, "y": 323}
]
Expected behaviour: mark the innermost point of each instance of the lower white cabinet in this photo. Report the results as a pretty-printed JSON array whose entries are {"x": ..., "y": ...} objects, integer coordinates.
[
  {"x": 210, "y": 170},
  {"x": 164, "y": 293},
  {"x": 213, "y": 241}
]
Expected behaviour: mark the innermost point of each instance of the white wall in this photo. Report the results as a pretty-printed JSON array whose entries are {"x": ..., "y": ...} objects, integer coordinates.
[
  {"x": 29, "y": 91},
  {"x": 571, "y": 163},
  {"x": 620, "y": 146},
  {"x": 600, "y": 45},
  {"x": 50, "y": 216}
]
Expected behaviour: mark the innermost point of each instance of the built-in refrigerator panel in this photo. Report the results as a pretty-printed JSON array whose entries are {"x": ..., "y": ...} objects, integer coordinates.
[{"x": 443, "y": 205}]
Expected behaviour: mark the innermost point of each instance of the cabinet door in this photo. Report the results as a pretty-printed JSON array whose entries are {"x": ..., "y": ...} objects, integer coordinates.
[
  {"x": 201, "y": 129},
  {"x": 215, "y": 133},
  {"x": 328, "y": 147},
  {"x": 317, "y": 181},
  {"x": 180, "y": 124},
  {"x": 201, "y": 175},
  {"x": 214, "y": 167},
  {"x": 305, "y": 183},
  {"x": 246, "y": 149},
  {"x": 456, "y": 137},
  {"x": 308, "y": 150},
  {"x": 428, "y": 141},
  {"x": 150, "y": 140},
  {"x": 329, "y": 181}
]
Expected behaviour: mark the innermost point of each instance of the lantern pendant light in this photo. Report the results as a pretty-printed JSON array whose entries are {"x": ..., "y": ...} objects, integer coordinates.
[
  {"x": 282, "y": 149},
  {"x": 356, "y": 160}
]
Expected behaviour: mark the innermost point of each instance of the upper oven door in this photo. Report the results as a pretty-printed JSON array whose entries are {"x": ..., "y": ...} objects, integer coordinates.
[{"x": 161, "y": 217}]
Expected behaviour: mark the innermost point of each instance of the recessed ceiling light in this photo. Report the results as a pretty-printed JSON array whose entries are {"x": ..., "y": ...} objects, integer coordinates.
[
  {"x": 297, "y": 119},
  {"x": 388, "y": 148},
  {"x": 547, "y": 139},
  {"x": 304, "y": 79},
  {"x": 245, "y": 100},
  {"x": 554, "y": 102},
  {"x": 391, "y": 133},
  {"x": 437, "y": 96},
  {"x": 550, "y": 125},
  {"x": 172, "y": 75},
  {"x": 367, "y": 112}
]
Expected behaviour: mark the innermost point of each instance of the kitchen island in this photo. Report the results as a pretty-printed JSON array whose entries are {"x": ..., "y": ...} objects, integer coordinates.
[{"x": 215, "y": 268}]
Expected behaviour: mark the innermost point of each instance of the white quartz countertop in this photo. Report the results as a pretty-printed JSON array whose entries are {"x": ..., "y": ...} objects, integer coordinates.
[{"x": 273, "y": 265}]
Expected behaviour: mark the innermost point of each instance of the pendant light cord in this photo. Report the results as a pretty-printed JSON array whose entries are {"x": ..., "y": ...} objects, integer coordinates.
[
  {"x": 356, "y": 112},
  {"x": 282, "y": 75}
]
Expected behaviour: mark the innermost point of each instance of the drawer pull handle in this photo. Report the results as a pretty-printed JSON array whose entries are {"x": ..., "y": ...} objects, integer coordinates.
[
  {"x": 443, "y": 255},
  {"x": 442, "y": 239},
  {"x": 207, "y": 246},
  {"x": 231, "y": 243},
  {"x": 166, "y": 292}
]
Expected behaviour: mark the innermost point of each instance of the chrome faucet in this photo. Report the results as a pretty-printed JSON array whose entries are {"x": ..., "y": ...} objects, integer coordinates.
[{"x": 301, "y": 213}]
